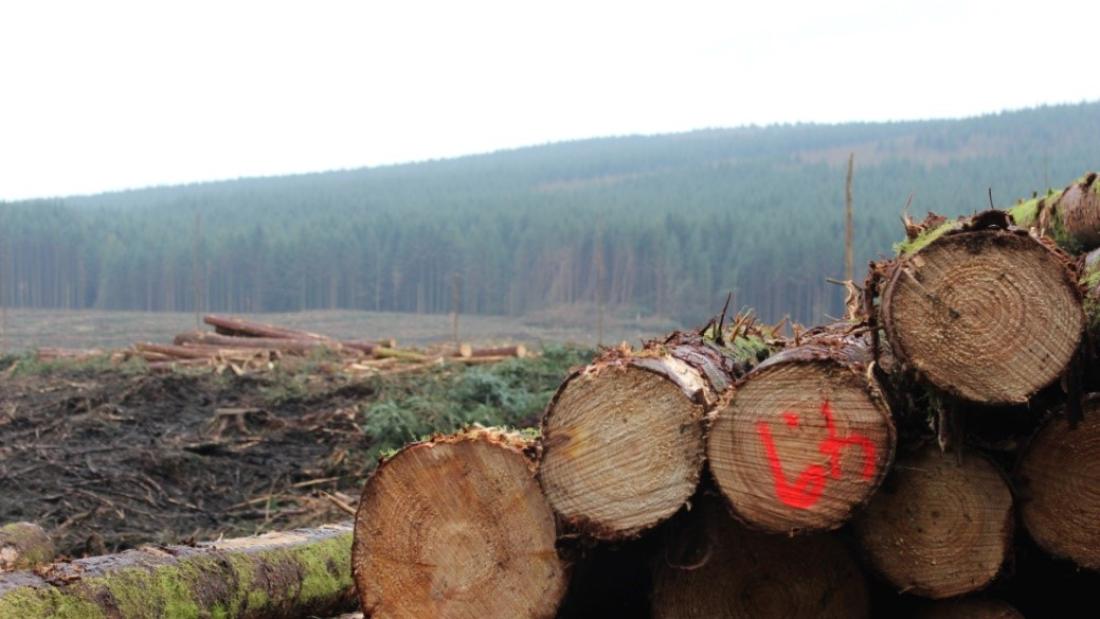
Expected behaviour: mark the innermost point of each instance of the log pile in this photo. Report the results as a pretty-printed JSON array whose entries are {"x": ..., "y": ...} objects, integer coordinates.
[
  {"x": 243, "y": 346},
  {"x": 935, "y": 454}
]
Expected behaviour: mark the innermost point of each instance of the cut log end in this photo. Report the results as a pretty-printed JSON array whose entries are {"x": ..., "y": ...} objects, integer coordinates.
[
  {"x": 991, "y": 316},
  {"x": 939, "y": 529},
  {"x": 1060, "y": 478},
  {"x": 24, "y": 545},
  {"x": 713, "y": 567},
  {"x": 457, "y": 527},
  {"x": 622, "y": 448},
  {"x": 801, "y": 446}
]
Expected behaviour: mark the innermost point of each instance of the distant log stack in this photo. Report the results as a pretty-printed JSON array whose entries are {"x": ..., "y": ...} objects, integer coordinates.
[
  {"x": 622, "y": 438},
  {"x": 808, "y": 437},
  {"x": 981, "y": 310}
]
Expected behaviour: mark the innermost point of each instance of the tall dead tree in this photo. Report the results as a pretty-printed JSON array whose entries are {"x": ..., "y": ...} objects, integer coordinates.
[{"x": 849, "y": 226}]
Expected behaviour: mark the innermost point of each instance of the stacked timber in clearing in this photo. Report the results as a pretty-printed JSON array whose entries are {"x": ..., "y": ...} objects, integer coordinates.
[
  {"x": 939, "y": 439},
  {"x": 243, "y": 345}
]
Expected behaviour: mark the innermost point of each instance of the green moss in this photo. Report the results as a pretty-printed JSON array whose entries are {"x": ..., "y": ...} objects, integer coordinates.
[
  {"x": 749, "y": 349},
  {"x": 912, "y": 246},
  {"x": 174, "y": 590}
]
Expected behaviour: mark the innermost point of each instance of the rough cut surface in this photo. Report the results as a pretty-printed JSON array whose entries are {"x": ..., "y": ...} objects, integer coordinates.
[
  {"x": 712, "y": 567},
  {"x": 457, "y": 527},
  {"x": 937, "y": 528},
  {"x": 802, "y": 444},
  {"x": 623, "y": 446},
  {"x": 1060, "y": 481},
  {"x": 988, "y": 315},
  {"x": 969, "y": 608}
]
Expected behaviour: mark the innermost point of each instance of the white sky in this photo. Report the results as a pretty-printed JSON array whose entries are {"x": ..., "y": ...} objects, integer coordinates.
[{"x": 107, "y": 95}]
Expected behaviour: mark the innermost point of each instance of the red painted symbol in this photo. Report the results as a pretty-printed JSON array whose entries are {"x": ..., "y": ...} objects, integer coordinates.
[{"x": 808, "y": 487}]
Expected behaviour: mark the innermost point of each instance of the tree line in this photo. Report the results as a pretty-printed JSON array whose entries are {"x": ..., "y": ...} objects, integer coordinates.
[{"x": 661, "y": 225}]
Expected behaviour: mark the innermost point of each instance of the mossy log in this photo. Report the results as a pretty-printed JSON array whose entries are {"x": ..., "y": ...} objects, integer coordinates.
[
  {"x": 1071, "y": 217},
  {"x": 400, "y": 354},
  {"x": 457, "y": 527},
  {"x": 292, "y": 574},
  {"x": 1059, "y": 478},
  {"x": 969, "y": 608},
  {"x": 938, "y": 528},
  {"x": 982, "y": 310},
  {"x": 807, "y": 437},
  {"x": 24, "y": 545},
  {"x": 623, "y": 438},
  {"x": 712, "y": 567}
]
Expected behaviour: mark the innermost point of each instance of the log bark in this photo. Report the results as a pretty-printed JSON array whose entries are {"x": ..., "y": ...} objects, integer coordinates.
[
  {"x": 457, "y": 527},
  {"x": 982, "y": 310},
  {"x": 295, "y": 346},
  {"x": 227, "y": 325},
  {"x": 938, "y": 528},
  {"x": 1071, "y": 217},
  {"x": 712, "y": 567},
  {"x": 400, "y": 354},
  {"x": 24, "y": 545},
  {"x": 807, "y": 437},
  {"x": 293, "y": 574},
  {"x": 1059, "y": 477},
  {"x": 623, "y": 444},
  {"x": 969, "y": 608}
]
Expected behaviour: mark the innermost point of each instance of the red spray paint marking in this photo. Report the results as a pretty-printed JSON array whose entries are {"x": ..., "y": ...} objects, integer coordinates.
[{"x": 807, "y": 488}]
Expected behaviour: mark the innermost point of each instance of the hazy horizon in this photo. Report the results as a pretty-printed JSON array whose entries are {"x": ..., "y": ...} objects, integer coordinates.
[{"x": 505, "y": 149}]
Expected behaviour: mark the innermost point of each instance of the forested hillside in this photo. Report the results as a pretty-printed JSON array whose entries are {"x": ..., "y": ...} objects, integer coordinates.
[{"x": 654, "y": 225}]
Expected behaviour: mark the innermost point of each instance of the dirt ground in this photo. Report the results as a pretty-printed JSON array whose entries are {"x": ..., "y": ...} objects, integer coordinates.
[{"x": 107, "y": 460}]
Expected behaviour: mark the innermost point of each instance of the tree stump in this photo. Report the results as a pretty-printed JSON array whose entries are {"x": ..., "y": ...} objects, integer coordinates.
[{"x": 457, "y": 527}]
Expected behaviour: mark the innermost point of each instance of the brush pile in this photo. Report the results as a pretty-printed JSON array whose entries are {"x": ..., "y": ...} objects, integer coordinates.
[{"x": 935, "y": 454}]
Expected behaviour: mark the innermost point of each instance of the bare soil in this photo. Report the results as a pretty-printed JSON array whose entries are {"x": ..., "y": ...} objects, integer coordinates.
[{"x": 107, "y": 460}]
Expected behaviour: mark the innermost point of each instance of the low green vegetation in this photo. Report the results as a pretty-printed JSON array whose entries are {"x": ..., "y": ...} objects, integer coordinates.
[{"x": 511, "y": 393}]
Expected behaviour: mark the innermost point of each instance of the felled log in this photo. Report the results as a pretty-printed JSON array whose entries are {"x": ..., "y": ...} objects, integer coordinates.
[
  {"x": 75, "y": 354},
  {"x": 293, "y": 574},
  {"x": 623, "y": 441},
  {"x": 982, "y": 310},
  {"x": 400, "y": 354},
  {"x": 369, "y": 347},
  {"x": 216, "y": 340},
  {"x": 711, "y": 566},
  {"x": 226, "y": 325},
  {"x": 938, "y": 528},
  {"x": 177, "y": 352},
  {"x": 24, "y": 545},
  {"x": 1071, "y": 216},
  {"x": 807, "y": 437},
  {"x": 457, "y": 527},
  {"x": 1059, "y": 479},
  {"x": 969, "y": 608},
  {"x": 519, "y": 350}
]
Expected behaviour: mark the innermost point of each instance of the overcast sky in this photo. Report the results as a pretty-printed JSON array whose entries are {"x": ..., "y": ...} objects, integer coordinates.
[{"x": 108, "y": 95}]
